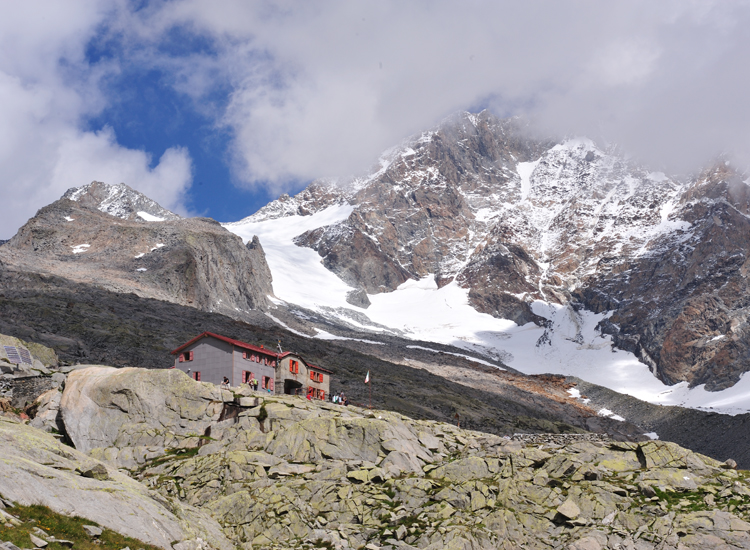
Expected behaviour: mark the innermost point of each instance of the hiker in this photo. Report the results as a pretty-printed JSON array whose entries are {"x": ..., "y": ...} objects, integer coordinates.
[
  {"x": 225, "y": 383},
  {"x": 255, "y": 384},
  {"x": 335, "y": 398}
]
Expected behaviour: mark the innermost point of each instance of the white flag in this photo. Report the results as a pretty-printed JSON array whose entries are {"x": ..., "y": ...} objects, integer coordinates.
[{"x": 367, "y": 378}]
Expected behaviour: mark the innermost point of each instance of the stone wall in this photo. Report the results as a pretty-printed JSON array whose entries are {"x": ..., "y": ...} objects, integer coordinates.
[
  {"x": 558, "y": 439},
  {"x": 27, "y": 389}
]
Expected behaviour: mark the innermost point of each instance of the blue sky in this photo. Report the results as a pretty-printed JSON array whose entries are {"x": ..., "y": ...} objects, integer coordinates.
[{"x": 216, "y": 108}]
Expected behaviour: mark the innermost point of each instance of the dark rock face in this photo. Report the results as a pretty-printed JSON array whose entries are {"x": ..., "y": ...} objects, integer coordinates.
[
  {"x": 358, "y": 298},
  {"x": 416, "y": 216},
  {"x": 193, "y": 262},
  {"x": 683, "y": 307}
]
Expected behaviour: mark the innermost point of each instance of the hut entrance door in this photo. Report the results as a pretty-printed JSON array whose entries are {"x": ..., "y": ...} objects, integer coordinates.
[{"x": 292, "y": 387}]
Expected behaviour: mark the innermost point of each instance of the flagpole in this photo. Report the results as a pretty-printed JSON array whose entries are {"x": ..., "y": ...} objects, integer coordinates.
[{"x": 369, "y": 383}]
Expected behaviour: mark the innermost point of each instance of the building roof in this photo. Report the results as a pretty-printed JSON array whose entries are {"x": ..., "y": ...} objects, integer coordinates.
[
  {"x": 245, "y": 345},
  {"x": 316, "y": 367}
]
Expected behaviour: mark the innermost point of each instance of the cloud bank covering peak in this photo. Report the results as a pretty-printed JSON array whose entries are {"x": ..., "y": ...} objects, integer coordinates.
[{"x": 322, "y": 88}]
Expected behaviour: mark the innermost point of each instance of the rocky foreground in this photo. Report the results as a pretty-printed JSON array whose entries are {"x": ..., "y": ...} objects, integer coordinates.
[{"x": 236, "y": 468}]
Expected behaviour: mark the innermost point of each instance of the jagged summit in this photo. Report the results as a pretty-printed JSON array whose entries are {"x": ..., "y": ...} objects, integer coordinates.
[
  {"x": 120, "y": 201},
  {"x": 527, "y": 225}
]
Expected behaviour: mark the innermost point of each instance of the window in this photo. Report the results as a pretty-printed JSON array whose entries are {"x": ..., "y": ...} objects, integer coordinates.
[
  {"x": 197, "y": 376},
  {"x": 294, "y": 366},
  {"x": 316, "y": 376},
  {"x": 247, "y": 376},
  {"x": 186, "y": 356}
]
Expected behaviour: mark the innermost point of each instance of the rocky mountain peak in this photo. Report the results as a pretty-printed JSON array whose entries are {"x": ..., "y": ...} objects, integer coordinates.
[
  {"x": 120, "y": 201},
  {"x": 193, "y": 262},
  {"x": 481, "y": 202}
]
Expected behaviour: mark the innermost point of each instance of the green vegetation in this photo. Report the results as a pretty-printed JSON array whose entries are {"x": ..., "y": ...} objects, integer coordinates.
[
  {"x": 262, "y": 413},
  {"x": 62, "y": 528}
]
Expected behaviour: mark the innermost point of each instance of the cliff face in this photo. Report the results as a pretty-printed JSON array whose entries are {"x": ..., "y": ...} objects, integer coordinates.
[
  {"x": 515, "y": 219},
  {"x": 681, "y": 304},
  {"x": 192, "y": 262}
]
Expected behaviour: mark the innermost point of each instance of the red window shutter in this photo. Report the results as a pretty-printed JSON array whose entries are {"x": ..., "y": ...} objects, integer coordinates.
[
  {"x": 310, "y": 391},
  {"x": 312, "y": 375},
  {"x": 197, "y": 375},
  {"x": 191, "y": 356},
  {"x": 320, "y": 377},
  {"x": 181, "y": 358},
  {"x": 273, "y": 364},
  {"x": 323, "y": 395},
  {"x": 270, "y": 384},
  {"x": 244, "y": 355},
  {"x": 291, "y": 366},
  {"x": 263, "y": 383}
]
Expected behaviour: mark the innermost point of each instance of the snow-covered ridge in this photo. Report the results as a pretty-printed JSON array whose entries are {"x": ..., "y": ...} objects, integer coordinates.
[
  {"x": 120, "y": 201},
  {"x": 576, "y": 209},
  {"x": 419, "y": 310}
]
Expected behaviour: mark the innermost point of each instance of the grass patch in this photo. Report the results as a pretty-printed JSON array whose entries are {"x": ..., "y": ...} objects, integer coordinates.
[
  {"x": 262, "y": 413},
  {"x": 694, "y": 499},
  {"x": 64, "y": 528}
]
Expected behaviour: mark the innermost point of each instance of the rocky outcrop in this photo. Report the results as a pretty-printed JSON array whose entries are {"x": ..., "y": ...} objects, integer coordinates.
[
  {"x": 193, "y": 262},
  {"x": 26, "y": 358},
  {"x": 143, "y": 411},
  {"x": 37, "y": 469},
  {"x": 281, "y": 471}
]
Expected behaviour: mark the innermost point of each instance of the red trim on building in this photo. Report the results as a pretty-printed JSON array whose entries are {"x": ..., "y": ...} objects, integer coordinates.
[
  {"x": 316, "y": 367},
  {"x": 244, "y": 345}
]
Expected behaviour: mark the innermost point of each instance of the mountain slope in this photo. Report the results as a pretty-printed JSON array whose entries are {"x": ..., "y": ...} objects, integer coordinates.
[
  {"x": 187, "y": 261},
  {"x": 527, "y": 227}
]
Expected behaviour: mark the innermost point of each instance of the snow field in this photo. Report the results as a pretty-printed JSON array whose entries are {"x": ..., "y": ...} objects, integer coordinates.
[{"x": 571, "y": 347}]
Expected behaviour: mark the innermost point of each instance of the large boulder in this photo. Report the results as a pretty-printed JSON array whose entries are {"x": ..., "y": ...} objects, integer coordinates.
[
  {"x": 35, "y": 468},
  {"x": 104, "y": 407}
]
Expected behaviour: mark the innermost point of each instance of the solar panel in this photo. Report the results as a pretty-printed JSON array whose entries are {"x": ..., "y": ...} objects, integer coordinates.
[
  {"x": 25, "y": 356},
  {"x": 12, "y": 354}
]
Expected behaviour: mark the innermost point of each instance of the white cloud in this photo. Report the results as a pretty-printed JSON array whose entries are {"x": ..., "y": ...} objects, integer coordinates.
[
  {"x": 322, "y": 88},
  {"x": 89, "y": 156},
  {"x": 47, "y": 90}
]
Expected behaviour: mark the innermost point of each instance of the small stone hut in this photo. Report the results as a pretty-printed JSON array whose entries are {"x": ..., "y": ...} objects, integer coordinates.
[{"x": 210, "y": 357}]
